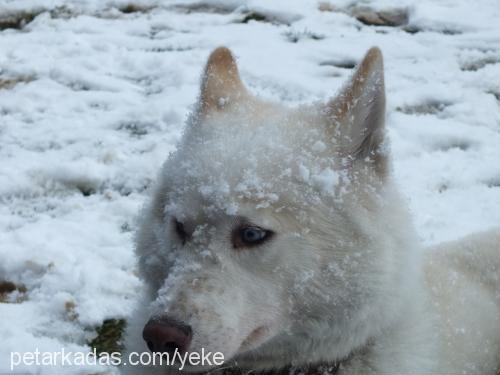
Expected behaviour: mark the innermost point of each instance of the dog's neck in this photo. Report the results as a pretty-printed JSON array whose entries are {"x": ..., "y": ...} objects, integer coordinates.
[
  {"x": 310, "y": 369},
  {"x": 316, "y": 369}
]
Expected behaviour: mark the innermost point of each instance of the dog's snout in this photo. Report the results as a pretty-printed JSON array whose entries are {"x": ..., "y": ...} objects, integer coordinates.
[{"x": 167, "y": 335}]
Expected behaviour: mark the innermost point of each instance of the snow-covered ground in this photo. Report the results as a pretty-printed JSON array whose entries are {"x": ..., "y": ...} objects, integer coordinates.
[{"x": 94, "y": 94}]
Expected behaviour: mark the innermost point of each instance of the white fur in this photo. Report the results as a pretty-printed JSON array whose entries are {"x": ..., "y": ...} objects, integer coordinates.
[{"x": 342, "y": 278}]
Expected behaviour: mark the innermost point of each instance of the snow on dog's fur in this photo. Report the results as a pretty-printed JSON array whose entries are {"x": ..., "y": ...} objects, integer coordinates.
[{"x": 277, "y": 237}]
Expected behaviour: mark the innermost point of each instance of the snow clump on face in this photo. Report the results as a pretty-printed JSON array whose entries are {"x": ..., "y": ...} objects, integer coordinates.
[{"x": 253, "y": 154}]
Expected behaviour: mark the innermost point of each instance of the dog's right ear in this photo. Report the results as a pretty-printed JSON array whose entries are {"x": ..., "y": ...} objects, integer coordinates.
[{"x": 221, "y": 85}]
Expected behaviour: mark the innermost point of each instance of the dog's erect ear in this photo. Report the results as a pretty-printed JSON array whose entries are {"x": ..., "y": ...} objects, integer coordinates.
[
  {"x": 357, "y": 114},
  {"x": 221, "y": 85}
]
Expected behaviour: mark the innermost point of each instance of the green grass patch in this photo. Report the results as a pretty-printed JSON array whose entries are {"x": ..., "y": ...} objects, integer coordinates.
[{"x": 109, "y": 336}]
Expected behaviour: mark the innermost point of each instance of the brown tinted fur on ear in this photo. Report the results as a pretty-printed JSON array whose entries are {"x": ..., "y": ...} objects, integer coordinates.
[
  {"x": 221, "y": 83},
  {"x": 359, "y": 112},
  {"x": 342, "y": 107}
]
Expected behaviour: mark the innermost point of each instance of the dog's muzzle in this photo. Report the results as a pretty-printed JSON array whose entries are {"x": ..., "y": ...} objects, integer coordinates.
[{"x": 167, "y": 335}]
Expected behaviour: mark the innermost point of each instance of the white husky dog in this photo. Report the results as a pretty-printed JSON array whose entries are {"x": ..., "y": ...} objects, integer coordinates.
[{"x": 276, "y": 237}]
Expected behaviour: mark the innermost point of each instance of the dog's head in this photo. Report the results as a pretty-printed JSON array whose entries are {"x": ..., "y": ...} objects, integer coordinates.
[{"x": 272, "y": 233}]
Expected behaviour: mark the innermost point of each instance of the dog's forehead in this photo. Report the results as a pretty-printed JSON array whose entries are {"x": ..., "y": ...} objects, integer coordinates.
[{"x": 264, "y": 157}]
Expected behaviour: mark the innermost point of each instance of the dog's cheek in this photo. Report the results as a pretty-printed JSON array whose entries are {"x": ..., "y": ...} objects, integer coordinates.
[
  {"x": 215, "y": 335},
  {"x": 154, "y": 252}
]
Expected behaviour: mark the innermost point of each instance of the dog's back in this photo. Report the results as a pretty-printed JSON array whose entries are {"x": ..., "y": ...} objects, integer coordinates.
[{"x": 464, "y": 281}]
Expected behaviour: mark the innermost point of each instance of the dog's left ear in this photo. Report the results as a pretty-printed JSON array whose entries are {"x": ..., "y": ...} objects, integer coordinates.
[
  {"x": 357, "y": 114},
  {"x": 221, "y": 86}
]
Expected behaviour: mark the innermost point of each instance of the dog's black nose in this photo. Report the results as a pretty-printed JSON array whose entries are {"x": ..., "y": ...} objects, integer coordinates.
[{"x": 165, "y": 335}]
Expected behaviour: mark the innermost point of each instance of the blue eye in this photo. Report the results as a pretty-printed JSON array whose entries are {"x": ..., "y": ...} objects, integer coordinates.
[{"x": 250, "y": 236}]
